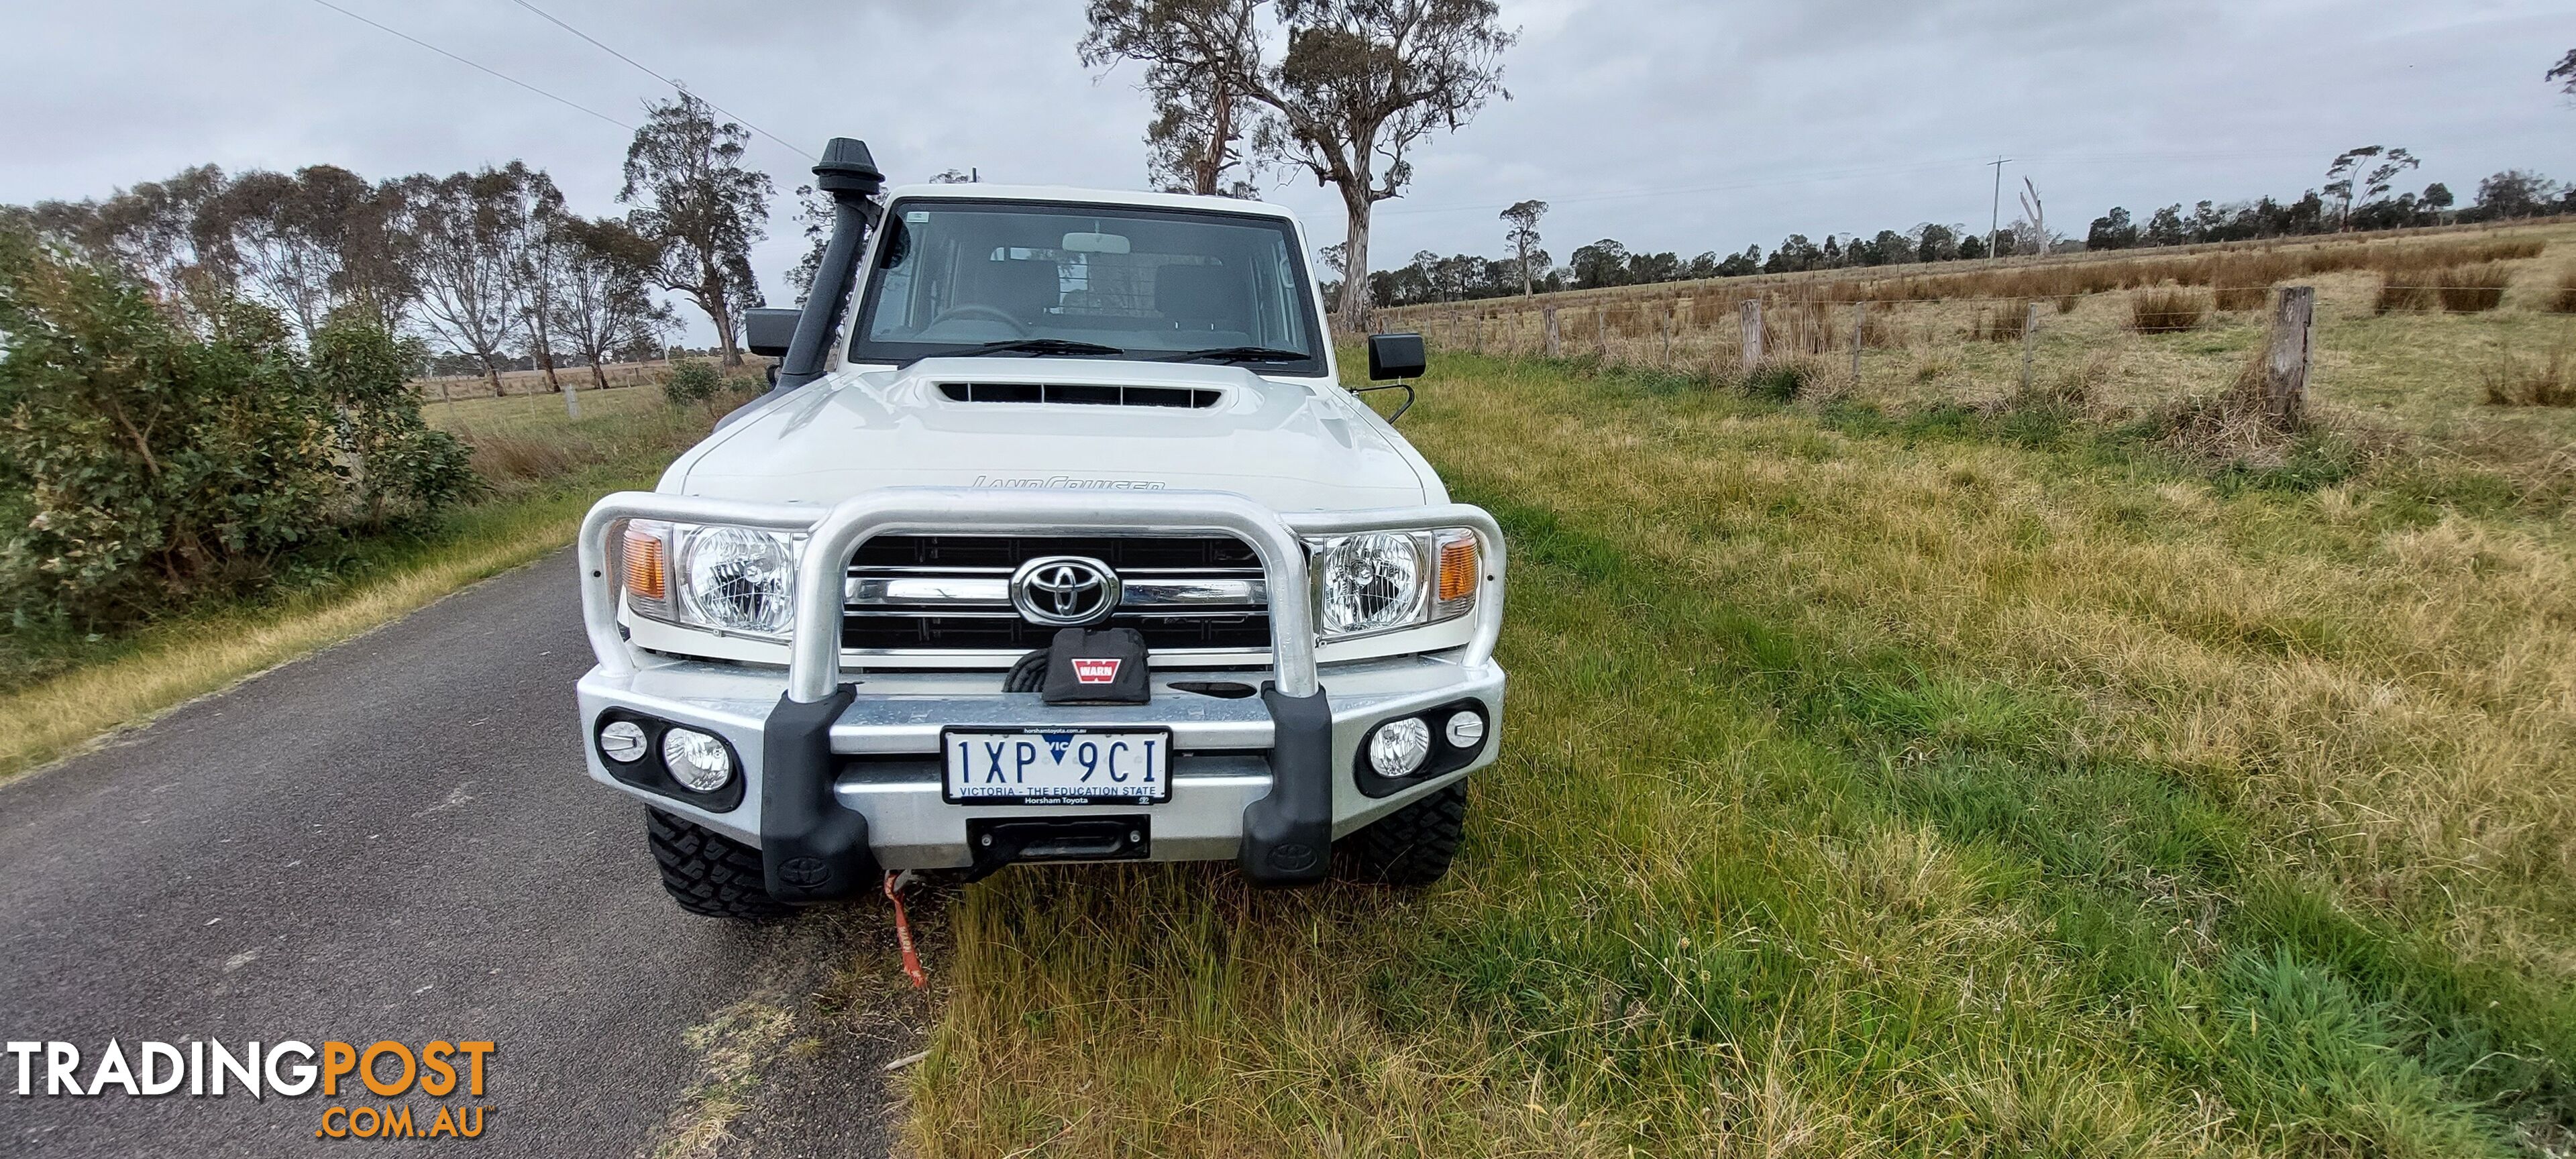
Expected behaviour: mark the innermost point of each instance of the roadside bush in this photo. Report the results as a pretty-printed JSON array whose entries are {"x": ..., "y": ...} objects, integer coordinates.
[
  {"x": 156, "y": 464},
  {"x": 2562, "y": 300},
  {"x": 2166, "y": 311},
  {"x": 692, "y": 381}
]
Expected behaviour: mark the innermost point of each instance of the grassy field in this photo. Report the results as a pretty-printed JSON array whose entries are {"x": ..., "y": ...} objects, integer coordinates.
[
  {"x": 2415, "y": 369},
  {"x": 1935, "y": 781},
  {"x": 541, "y": 471}
]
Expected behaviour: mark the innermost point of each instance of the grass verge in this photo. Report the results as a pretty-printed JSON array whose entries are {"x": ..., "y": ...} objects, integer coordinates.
[{"x": 1963, "y": 787}]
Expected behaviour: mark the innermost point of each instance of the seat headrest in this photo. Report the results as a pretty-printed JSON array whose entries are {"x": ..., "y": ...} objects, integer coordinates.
[{"x": 1210, "y": 295}]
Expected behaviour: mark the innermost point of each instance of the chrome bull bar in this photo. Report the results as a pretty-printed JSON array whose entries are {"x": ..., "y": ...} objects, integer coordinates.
[{"x": 834, "y": 534}]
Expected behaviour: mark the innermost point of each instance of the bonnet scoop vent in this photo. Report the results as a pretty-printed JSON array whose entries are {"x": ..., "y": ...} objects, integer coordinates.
[{"x": 1186, "y": 398}]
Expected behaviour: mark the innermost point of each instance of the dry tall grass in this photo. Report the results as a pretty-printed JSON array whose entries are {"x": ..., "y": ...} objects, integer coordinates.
[
  {"x": 2166, "y": 311},
  {"x": 2513, "y": 382},
  {"x": 2470, "y": 289}
]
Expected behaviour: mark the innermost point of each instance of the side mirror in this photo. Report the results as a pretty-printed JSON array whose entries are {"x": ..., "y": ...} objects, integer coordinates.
[
  {"x": 1395, "y": 356},
  {"x": 768, "y": 330}
]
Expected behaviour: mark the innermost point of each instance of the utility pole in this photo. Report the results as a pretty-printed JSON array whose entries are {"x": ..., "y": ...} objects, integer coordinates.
[{"x": 1995, "y": 223}]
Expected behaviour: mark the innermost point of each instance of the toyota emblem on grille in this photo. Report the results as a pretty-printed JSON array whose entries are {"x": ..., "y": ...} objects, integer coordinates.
[{"x": 1065, "y": 591}]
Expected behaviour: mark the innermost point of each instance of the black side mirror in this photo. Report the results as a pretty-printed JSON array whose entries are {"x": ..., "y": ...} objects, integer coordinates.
[
  {"x": 1395, "y": 356},
  {"x": 769, "y": 330}
]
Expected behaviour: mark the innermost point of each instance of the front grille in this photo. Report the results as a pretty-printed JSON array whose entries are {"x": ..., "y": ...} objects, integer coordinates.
[{"x": 973, "y": 612}]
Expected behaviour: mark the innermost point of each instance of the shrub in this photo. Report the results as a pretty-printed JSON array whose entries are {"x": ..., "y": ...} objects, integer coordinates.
[
  {"x": 155, "y": 464},
  {"x": 2562, "y": 300},
  {"x": 400, "y": 469},
  {"x": 692, "y": 381},
  {"x": 2471, "y": 289},
  {"x": 2169, "y": 311}
]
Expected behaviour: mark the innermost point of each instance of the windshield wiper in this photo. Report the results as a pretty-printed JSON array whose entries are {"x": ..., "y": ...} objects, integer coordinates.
[
  {"x": 1031, "y": 346},
  {"x": 1237, "y": 354}
]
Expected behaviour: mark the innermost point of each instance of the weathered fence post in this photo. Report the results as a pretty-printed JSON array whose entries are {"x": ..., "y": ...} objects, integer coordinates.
[
  {"x": 572, "y": 400},
  {"x": 1668, "y": 335},
  {"x": 2029, "y": 333},
  {"x": 2286, "y": 360},
  {"x": 1601, "y": 332},
  {"x": 1860, "y": 316},
  {"x": 1553, "y": 347},
  {"x": 1751, "y": 320}
]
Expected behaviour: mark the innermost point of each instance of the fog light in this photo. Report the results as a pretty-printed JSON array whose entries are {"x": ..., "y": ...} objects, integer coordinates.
[
  {"x": 697, "y": 760},
  {"x": 622, "y": 741},
  {"x": 1400, "y": 747},
  {"x": 1466, "y": 730}
]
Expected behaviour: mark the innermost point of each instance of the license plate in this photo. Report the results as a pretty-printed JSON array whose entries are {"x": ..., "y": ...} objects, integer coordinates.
[{"x": 1071, "y": 766}]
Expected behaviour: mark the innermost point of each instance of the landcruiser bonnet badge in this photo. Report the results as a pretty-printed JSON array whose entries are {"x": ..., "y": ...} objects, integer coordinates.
[{"x": 1065, "y": 591}]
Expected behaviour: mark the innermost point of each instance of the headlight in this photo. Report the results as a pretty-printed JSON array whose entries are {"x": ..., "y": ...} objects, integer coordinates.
[
  {"x": 731, "y": 579},
  {"x": 1379, "y": 581}
]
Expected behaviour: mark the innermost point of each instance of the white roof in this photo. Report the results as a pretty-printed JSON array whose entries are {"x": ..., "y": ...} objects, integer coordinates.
[{"x": 983, "y": 192}]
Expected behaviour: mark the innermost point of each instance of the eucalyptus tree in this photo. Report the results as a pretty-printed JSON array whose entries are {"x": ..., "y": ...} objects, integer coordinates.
[{"x": 702, "y": 209}]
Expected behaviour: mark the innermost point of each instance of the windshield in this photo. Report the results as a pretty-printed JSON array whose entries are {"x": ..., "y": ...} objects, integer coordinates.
[{"x": 1031, "y": 280}]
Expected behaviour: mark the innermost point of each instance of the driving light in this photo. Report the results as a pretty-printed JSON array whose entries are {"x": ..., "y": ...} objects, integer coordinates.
[
  {"x": 739, "y": 579},
  {"x": 696, "y": 759},
  {"x": 1400, "y": 747},
  {"x": 1466, "y": 730},
  {"x": 622, "y": 741}
]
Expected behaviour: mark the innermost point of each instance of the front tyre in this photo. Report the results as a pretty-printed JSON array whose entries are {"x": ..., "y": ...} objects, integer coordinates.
[
  {"x": 709, "y": 873},
  {"x": 1412, "y": 846}
]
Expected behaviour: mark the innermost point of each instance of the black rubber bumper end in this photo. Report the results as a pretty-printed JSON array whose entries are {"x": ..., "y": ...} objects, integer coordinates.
[
  {"x": 1288, "y": 834},
  {"x": 811, "y": 849}
]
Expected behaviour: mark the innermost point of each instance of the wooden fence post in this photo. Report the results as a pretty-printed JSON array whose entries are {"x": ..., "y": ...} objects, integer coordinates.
[
  {"x": 1601, "y": 332},
  {"x": 1860, "y": 316},
  {"x": 2029, "y": 331},
  {"x": 2287, "y": 358},
  {"x": 1751, "y": 320},
  {"x": 1553, "y": 347},
  {"x": 1668, "y": 334}
]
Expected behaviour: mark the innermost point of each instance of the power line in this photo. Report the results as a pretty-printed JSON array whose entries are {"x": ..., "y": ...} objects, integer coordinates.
[
  {"x": 1804, "y": 178},
  {"x": 485, "y": 68},
  {"x": 558, "y": 22}
]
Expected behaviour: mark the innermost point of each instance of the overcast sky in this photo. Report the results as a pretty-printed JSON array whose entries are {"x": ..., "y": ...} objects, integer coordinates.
[{"x": 1686, "y": 125}]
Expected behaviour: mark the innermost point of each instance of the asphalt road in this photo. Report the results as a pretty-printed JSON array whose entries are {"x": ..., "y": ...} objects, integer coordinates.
[{"x": 393, "y": 839}]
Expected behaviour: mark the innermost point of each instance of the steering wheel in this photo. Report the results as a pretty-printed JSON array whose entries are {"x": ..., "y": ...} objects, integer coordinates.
[{"x": 979, "y": 310}]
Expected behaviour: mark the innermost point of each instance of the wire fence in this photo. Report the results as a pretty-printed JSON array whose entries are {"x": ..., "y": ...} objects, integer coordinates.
[{"x": 2412, "y": 338}]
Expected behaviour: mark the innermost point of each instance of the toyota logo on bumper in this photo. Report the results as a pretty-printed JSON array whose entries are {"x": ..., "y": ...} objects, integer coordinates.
[{"x": 1065, "y": 591}]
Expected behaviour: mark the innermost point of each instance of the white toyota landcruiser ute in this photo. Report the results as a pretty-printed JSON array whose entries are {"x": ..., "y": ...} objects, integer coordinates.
[{"x": 1057, "y": 539}]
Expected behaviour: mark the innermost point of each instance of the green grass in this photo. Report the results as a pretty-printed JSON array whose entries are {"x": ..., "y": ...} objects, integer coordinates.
[
  {"x": 1935, "y": 783},
  {"x": 541, "y": 473}
]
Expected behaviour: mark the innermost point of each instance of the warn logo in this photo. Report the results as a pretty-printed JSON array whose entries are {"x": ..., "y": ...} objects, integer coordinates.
[{"x": 1095, "y": 671}]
